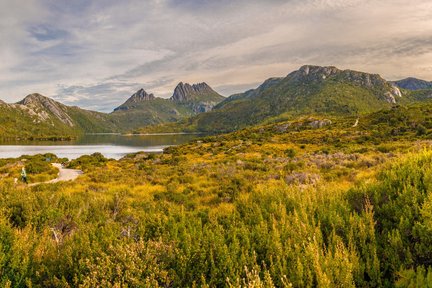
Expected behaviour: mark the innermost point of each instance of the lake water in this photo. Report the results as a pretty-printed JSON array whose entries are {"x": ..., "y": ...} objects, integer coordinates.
[{"x": 110, "y": 145}]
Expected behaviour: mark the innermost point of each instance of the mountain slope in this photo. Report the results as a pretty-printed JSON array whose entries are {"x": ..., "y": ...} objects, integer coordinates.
[
  {"x": 411, "y": 83},
  {"x": 37, "y": 116},
  {"x": 148, "y": 112},
  {"x": 135, "y": 100},
  {"x": 143, "y": 109},
  {"x": 309, "y": 90},
  {"x": 198, "y": 97}
]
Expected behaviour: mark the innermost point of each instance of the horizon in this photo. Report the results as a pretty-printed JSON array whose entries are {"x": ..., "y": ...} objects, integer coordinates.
[
  {"x": 115, "y": 49},
  {"x": 156, "y": 96}
]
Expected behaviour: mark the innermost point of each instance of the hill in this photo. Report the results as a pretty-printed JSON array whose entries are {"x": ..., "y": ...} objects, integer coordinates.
[
  {"x": 37, "y": 116},
  {"x": 40, "y": 117},
  {"x": 411, "y": 83},
  {"x": 143, "y": 109},
  {"x": 309, "y": 90}
]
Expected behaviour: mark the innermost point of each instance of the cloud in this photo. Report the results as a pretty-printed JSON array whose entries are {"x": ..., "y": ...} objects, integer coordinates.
[{"x": 95, "y": 54}]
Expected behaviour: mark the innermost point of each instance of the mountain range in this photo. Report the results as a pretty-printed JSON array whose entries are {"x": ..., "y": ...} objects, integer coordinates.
[
  {"x": 143, "y": 109},
  {"x": 37, "y": 116},
  {"x": 310, "y": 90}
]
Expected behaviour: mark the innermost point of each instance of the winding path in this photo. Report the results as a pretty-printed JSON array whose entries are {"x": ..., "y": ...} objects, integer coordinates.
[
  {"x": 65, "y": 174},
  {"x": 356, "y": 123}
]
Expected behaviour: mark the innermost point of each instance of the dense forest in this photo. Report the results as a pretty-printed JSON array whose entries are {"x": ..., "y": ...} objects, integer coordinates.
[{"x": 307, "y": 203}]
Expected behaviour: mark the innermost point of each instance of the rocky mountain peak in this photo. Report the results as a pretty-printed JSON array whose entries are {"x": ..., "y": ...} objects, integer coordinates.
[
  {"x": 35, "y": 98},
  {"x": 186, "y": 92},
  {"x": 40, "y": 106},
  {"x": 321, "y": 73},
  {"x": 313, "y": 71},
  {"x": 138, "y": 97},
  {"x": 318, "y": 74},
  {"x": 141, "y": 95}
]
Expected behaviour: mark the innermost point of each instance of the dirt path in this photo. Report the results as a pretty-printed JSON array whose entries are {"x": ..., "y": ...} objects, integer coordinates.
[
  {"x": 356, "y": 123},
  {"x": 65, "y": 174}
]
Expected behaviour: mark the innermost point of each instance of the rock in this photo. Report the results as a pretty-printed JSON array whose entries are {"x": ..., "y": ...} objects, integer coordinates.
[
  {"x": 311, "y": 73},
  {"x": 186, "y": 92},
  {"x": 320, "y": 123},
  {"x": 390, "y": 97},
  {"x": 38, "y": 105},
  {"x": 139, "y": 96},
  {"x": 282, "y": 128},
  {"x": 199, "y": 97},
  {"x": 302, "y": 178}
]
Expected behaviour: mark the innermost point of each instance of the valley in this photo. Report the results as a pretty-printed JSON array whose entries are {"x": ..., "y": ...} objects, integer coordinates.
[
  {"x": 309, "y": 202},
  {"x": 318, "y": 179}
]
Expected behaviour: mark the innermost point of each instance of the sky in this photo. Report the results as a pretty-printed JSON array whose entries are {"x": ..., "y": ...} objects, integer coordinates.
[{"x": 96, "y": 53}]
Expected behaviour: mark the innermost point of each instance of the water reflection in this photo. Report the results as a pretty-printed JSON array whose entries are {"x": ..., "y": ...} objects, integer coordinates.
[{"x": 110, "y": 145}]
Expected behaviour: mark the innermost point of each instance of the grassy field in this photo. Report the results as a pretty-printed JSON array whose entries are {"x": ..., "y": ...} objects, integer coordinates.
[{"x": 307, "y": 203}]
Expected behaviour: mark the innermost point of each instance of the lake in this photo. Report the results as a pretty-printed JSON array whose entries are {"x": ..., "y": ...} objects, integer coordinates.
[{"x": 110, "y": 145}]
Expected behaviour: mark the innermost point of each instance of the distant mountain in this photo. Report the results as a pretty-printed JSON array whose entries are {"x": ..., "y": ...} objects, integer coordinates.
[
  {"x": 38, "y": 116},
  {"x": 309, "y": 90},
  {"x": 199, "y": 97},
  {"x": 413, "y": 84},
  {"x": 143, "y": 109},
  {"x": 135, "y": 100}
]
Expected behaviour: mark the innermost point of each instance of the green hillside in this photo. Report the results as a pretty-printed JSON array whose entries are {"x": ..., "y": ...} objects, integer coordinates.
[
  {"x": 149, "y": 112},
  {"x": 310, "y": 90},
  {"x": 17, "y": 123},
  {"x": 143, "y": 109},
  {"x": 39, "y": 117}
]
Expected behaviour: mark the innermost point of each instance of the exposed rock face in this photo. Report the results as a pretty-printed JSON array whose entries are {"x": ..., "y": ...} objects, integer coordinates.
[
  {"x": 310, "y": 73},
  {"x": 320, "y": 123},
  {"x": 185, "y": 92},
  {"x": 200, "y": 97},
  {"x": 391, "y": 95},
  {"x": 319, "y": 73},
  {"x": 39, "y": 105},
  {"x": 139, "y": 96},
  {"x": 413, "y": 84}
]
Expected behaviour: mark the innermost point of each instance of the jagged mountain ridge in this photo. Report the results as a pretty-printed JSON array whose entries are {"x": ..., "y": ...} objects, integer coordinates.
[
  {"x": 187, "y": 100},
  {"x": 308, "y": 90},
  {"x": 199, "y": 97},
  {"x": 136, "y": 98},
  {"x": 41, "y": 117}
]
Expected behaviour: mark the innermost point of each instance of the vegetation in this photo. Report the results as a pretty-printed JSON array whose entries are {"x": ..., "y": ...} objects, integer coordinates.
[
  {"x": 38, "y": 168},
  {"x": 311, "y": 202},
  {"x": 324, "y": 91},
  {"x": 37, "y": 117}
]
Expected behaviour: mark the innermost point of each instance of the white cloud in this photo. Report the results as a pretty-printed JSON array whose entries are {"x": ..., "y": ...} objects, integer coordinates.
[{"x": 79, "y": 51}]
